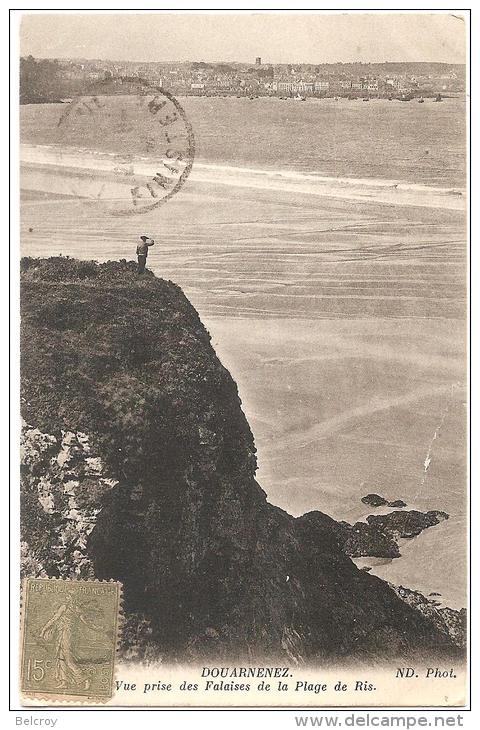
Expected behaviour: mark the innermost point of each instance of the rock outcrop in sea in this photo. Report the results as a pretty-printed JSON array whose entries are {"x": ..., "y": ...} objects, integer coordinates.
[
  {"x": 406, "y": 524},
  {"x": 376, "y": 500},
  {"x": 139, "y": 465},
  {"x": 379, "y": 536}
]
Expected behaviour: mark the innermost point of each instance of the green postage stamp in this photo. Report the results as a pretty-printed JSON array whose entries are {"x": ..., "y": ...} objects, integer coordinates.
[{"x": 69, "y": 638}]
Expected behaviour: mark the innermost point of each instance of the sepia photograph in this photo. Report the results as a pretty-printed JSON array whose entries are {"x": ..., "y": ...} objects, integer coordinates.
[{"x": 243, "y": 358}]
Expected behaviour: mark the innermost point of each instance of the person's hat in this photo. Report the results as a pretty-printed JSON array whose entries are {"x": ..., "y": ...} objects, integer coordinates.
[{"x": 144, "y": 238}]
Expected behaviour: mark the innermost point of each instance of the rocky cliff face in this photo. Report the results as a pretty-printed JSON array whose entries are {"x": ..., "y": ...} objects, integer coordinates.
[
  {"x": 450, "y": 622},
  {"x": 156, "y": 485}
]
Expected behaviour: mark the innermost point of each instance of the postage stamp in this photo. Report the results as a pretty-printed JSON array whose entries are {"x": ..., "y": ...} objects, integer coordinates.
[
  {"x": 147, "y": 143},
  {"x": 69, "y": 638}
]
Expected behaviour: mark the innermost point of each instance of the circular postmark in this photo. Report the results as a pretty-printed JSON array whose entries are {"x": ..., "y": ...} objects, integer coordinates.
[{"x": 127, "y": 145}]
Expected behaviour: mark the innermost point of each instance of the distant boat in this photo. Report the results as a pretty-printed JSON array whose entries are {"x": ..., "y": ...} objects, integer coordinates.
[
  {"x": 405, "y": 97},
  {"x": 421, "y": 100},
  {"x": 366, "y": 98},
  {"x": 299, "y": 98},
  {"x": 438, "y": 98}
]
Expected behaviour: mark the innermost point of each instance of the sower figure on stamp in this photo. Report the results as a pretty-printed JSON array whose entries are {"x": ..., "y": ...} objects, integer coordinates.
[
  {"x": 61, "y": 629},
  {"x": 142, "y": 252}
]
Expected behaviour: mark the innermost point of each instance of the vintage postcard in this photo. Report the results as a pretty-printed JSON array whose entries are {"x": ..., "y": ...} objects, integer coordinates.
[{"x": 243, "y": 351}]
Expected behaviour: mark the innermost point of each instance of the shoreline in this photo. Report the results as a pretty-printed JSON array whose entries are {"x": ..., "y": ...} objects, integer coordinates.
[{"x": 96, "y": 174}]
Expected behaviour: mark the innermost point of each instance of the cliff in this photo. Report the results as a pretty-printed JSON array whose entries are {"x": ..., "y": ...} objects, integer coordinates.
[{"x": 139, "y": 465}]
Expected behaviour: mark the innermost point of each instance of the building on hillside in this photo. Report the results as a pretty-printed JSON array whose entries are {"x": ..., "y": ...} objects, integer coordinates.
[
  {"x": 286, "y": 86},
  {"x": 223, "y": 82},
  {"x": 305, "y": 87}
]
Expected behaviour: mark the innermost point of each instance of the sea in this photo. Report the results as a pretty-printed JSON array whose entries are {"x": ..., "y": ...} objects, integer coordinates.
[{"x": 324, "y": 245}]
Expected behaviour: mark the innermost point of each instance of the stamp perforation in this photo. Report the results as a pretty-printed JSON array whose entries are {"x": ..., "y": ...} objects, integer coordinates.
[{"x": 67, "y": 694}]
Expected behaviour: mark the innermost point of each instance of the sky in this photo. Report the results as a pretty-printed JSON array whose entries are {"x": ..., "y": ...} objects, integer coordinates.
[{"x": 276, "y": 38}]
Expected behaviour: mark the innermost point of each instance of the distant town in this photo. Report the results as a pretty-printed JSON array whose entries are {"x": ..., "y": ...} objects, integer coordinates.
[{"x": 43, "y": 80}]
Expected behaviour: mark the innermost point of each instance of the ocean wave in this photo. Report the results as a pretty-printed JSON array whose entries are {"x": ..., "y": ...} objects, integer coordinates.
[{"x": 379, "y": 190}]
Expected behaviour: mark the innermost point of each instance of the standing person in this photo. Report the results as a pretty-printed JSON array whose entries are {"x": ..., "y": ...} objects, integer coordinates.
[{"x": 142, "y": 252}]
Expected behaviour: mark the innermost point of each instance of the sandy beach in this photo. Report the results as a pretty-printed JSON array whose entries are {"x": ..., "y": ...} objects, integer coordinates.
[
  {"x": 342, "y": 325},
  {"x": 339, "y": 307}
]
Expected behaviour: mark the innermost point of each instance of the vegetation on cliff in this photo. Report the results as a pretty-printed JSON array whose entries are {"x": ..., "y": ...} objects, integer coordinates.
[{"x": 126, "y": 359}]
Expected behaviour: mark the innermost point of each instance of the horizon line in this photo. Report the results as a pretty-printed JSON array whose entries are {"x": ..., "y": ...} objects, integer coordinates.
[{"x": 267, "y": 63}]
